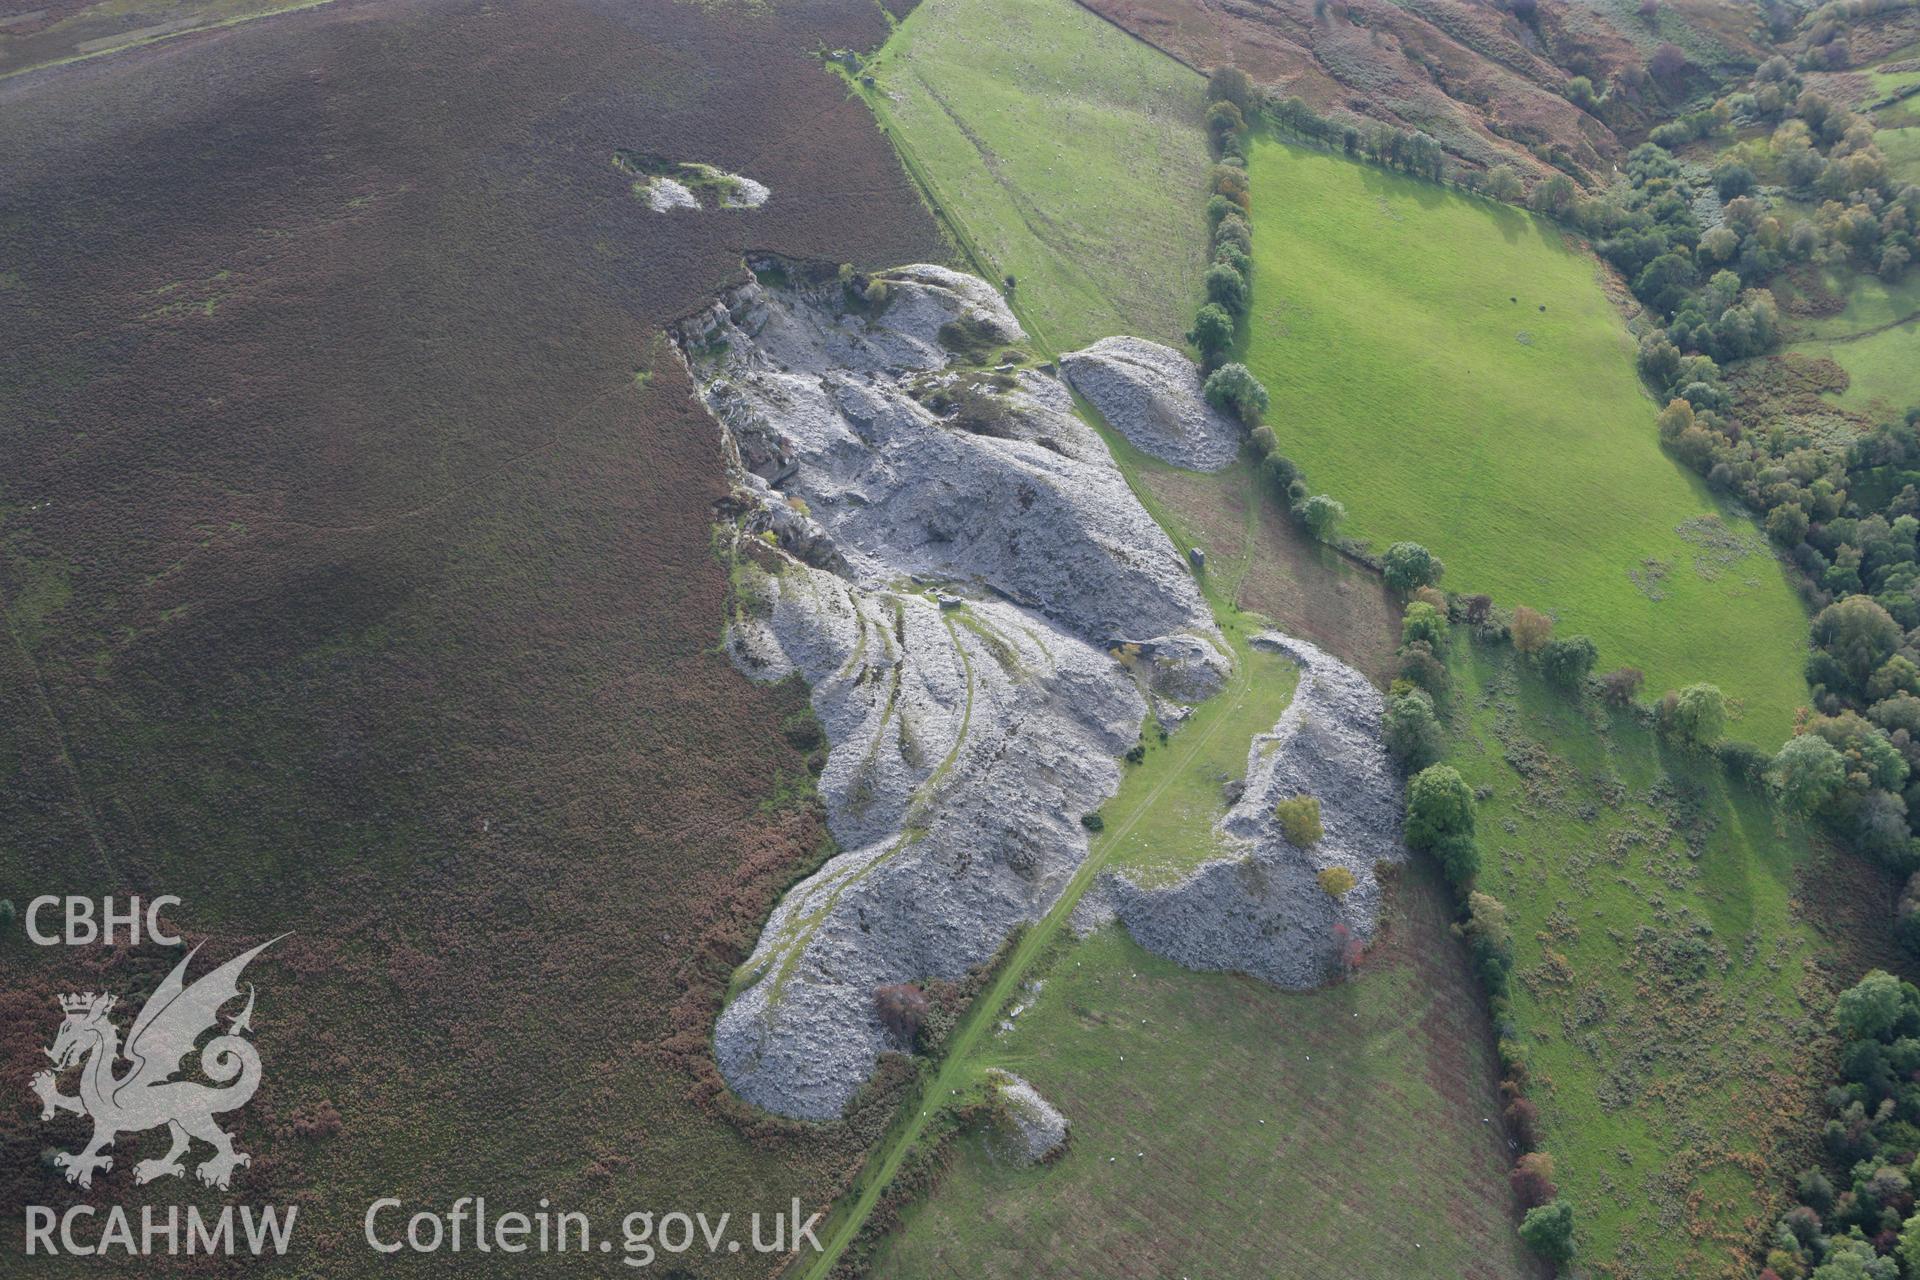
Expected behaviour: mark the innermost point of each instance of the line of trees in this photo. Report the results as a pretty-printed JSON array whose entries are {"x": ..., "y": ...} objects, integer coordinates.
[
  {"x": 1440, "y": 822},
  {"x": 1408, "y": 150},
  {"x": 1230, "y": 385}
]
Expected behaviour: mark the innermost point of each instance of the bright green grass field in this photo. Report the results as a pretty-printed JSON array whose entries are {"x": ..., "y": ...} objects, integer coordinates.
[
  {"x": 1069, "y": 154},
  {"x": 1879, "y": 369},
  {"x": 1671, "y": 996},
  {"x": 1224, "y": 1128},
  {"x": 1416, "y": 376}
]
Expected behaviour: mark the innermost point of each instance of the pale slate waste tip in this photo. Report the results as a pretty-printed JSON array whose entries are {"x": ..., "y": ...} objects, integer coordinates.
[{"x": 951, "y": 583}]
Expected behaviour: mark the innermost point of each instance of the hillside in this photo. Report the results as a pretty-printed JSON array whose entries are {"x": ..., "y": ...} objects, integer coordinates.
[
  {"x": 1677, "y": 952},
  {"x": 355, "y": 556},
  {"x": 1489, "y": 82}
]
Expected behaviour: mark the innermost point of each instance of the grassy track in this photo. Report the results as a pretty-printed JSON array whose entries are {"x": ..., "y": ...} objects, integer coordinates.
[
  {"x": 1063, "y": 152},
  {"x": 115, "y": 26},
  {"x": 1452, "y": 372},
  {"x": 1141, "y": 789}
]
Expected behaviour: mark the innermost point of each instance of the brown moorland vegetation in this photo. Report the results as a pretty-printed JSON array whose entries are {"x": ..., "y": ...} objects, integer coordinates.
[
  {"x": 355, "y": 565},
  {"x": 1488, "y": 82}
]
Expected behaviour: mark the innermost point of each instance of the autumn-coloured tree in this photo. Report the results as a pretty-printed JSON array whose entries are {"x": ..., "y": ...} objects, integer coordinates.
[
  {"x": 1531, "y": 630},
  {"x": 1532, "y": 1179},
  {"x": 1347, "y": 949},
  {"x": 902, "y": 1006},
  {"x": 1620, "y": 687},
  {"x": 1523, "y": 1120}
]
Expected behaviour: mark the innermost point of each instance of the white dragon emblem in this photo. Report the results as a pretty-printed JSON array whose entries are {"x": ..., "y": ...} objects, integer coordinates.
[{"x": 146, "y": 1096}]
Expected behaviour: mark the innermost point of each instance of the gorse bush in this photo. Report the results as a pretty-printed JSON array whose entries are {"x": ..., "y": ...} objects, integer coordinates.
[
  {"x": 1336, "y": 882},
  {"x": 1299, "y": 818}
]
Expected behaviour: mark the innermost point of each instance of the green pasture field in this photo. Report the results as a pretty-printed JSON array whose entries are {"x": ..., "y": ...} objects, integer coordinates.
[
  {"x": 1453, "y": 371},
  {"x": 1901, "y": 147},
  {"x": 1222, "y": 1127},
  {"x": 1062, "y": 152}
]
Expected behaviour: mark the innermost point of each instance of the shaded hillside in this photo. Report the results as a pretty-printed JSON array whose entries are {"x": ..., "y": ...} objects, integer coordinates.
[
  {"x": 354, "y": 550},
  {"x": 1488, "y": 82}
]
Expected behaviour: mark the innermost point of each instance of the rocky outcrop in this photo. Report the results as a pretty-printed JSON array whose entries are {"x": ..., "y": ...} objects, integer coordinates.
[
  {"x": 947, "y": 555},
  {"x": 1039, "y": 1130},
  {"x": 1151, "y": 394},
  {"x": 669, "y": 186},
  {"x": 1260, "y": 909}
]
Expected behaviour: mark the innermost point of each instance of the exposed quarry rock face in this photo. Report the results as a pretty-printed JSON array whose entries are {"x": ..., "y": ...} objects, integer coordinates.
[
  {"x": 970, "y": 725},
  {"x": 965, "y": 745},
  {"x": 1151, "y": 394},
  {"x": 915, "y": 466},
  {"x": 1260, "y": 909}
]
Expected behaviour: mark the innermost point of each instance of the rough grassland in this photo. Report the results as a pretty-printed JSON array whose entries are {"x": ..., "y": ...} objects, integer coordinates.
[
  {"x": 1676, "y": 956},
  {"x": 1069, "y": 155},
  {"x": 356, "y": 586},
  {"x": 1310, "y": 1134},
  {"x": 1453, "y": 373},
  {"x": 1874, "y": 339}
]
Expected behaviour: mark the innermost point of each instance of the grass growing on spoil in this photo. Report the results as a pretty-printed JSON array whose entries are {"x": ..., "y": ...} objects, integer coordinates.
[
  {"x": 1176, "y": 834},
  {"x": 1061, "y": 151},
  {"x": 1284, "y": 1133},
  {"x": 1669, "y": 984},
  {"x": 1416, "y": 377}
]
